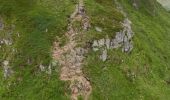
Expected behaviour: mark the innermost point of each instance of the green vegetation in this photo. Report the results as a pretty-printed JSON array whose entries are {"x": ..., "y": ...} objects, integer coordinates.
[
  {"x": 142, "y": 74},
  {"x": 38, "y": 22},
  {"x": 103, "y": 14}
]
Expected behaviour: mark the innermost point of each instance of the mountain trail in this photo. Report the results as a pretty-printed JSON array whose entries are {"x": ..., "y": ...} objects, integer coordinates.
[{"x": 71, "y": 57}]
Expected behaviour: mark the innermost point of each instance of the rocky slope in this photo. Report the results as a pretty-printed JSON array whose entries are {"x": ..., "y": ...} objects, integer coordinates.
[{"x": 84, "y": 50}]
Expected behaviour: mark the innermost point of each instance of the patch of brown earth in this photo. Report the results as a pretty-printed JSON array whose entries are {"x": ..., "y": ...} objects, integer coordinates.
[{"x": 71, "y": 57}]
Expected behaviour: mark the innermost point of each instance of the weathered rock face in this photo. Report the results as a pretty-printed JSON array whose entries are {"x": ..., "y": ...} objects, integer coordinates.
[{"x": 122, "y": 39}]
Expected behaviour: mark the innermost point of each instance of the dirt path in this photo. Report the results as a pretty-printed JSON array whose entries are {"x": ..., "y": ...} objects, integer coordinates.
[{"x": 71, "y": 57}]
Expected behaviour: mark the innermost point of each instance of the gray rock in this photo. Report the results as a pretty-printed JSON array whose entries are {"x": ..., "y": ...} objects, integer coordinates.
[
  {"x": 129, "y": 34},
  {"x": 103, "y": 57},
  {"x": 101, "y": 42},
  {"x": 119, "y": 37},
  {"x": 127, "y": 47},
  {"x": 115, "y": 44},
  {"x": 49, "y": 71},
  {"x": 127, "y": 44},
  {"x": 18, "y": 34},
  {"x": 1, "y": 42},
  {"x": 6, "y": 63},
  {"x": 95, "y": 49},
  {"x": 122, "y": 39},
  {"x": 54, "y": 63},
  {"x": 7, "y": 42},
  {"x": 98, "y": 29},
  {"x": 95, "y": 45},
  {"x": 81, "y": 10},
  {"x": 80, "y": 51},
  {"x": 86, "y": 23},
  {"x": 42, "y": 67},
  {"x": 125, "y": 39},
  {"x": 107, "y": 43},
  {"x": 7, "y": 70}
]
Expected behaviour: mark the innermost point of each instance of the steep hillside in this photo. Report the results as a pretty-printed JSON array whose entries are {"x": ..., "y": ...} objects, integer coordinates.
[
  {"x": 143, "y": 73},
  {"x": 84, "y": 50}
]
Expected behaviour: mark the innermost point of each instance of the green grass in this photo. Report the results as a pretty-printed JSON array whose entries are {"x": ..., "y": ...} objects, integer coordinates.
[
  {"x": 102, "y": 14},
  {"x": 143, "y": 73},
  {"x": 139, "y": 75},
  {"x": 31, "y": 19}
]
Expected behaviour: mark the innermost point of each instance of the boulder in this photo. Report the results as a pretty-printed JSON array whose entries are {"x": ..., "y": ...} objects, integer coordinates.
[
  {"x": 101, "y": 42},
  {"x": 103, "y": 57},
  {"x": 6, "y": 63},
  {"x": 95, "y": 43},
  {"x": 107, "y": 43},
  {"x": 98, "y": 29},
  {"x": 42, "y": 67}
]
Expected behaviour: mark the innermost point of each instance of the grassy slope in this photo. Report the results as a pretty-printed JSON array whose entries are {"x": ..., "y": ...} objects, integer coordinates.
[
  {"x": 143, "y": 73},
  {"x": 102, "y": 15},
  {"x": 139, "y": 75},
  {"x": 31, "y": 19}
]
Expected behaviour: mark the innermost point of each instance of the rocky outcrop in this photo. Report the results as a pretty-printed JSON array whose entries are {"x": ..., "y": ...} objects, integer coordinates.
[{"x": 122, "y": 39}]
